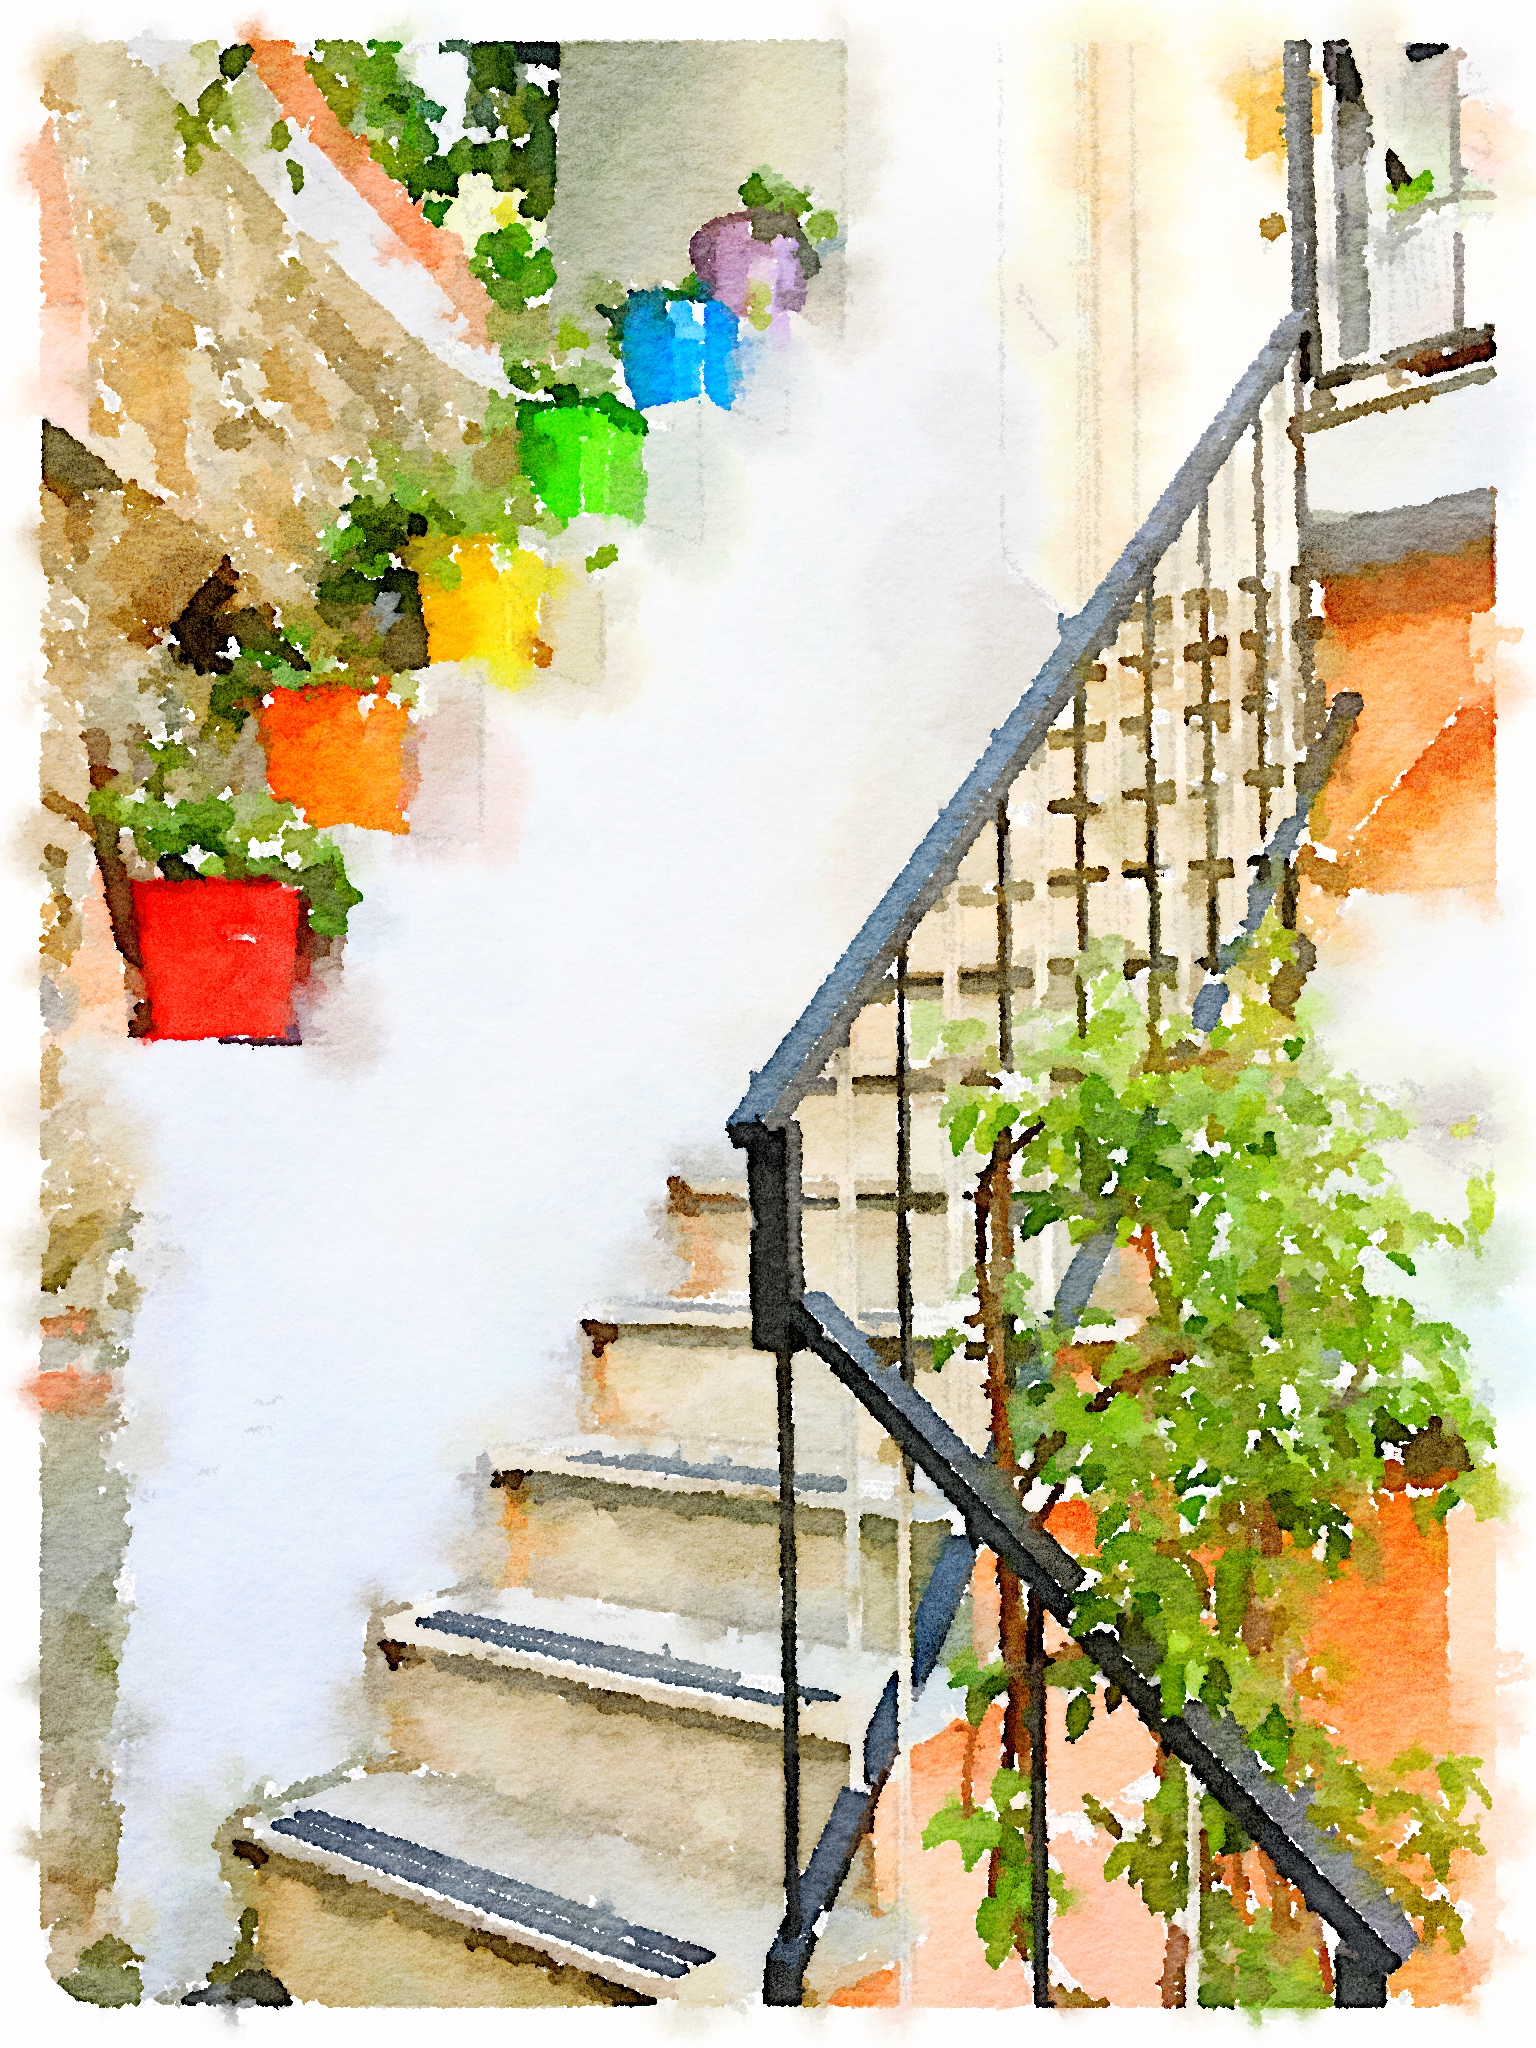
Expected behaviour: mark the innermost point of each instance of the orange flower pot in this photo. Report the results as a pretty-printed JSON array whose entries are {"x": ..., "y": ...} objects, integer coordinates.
[{"x": 339, "y": 754}]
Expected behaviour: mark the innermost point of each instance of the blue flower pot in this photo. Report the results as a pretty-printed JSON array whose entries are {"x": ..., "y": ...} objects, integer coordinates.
[{"x": 679, "y": 348}]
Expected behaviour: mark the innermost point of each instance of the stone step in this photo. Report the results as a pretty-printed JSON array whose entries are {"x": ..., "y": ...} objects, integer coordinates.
[
  {"x": 595, "y": 1904},
  {"x": 699, "y": 1543},
  {"x": 682, "y": 1374},
  {"x": 670, "y": 1660},
  {"x": 687, "y": 1774}
]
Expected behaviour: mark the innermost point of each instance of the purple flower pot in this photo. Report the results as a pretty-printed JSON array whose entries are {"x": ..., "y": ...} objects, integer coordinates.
[{"x": 757, "y": 262}]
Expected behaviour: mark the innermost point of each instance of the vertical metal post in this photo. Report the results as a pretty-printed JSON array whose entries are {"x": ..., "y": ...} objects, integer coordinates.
[
  {"x": 789, "y": 1653},
  {"x": 1004, "y": 940},
  {"x": 905, "y": 1826},
  {"x": 1154, "y": 797},
  {"x": 1039, "y": 1835},
  {"x": 1354, "y": 1982},
  {"x": 1301, "y": 193},
  {"x": 1458, "y": 180},
  {"x": 1261, "y": 776},
  {"x": 1311, "y": 710},
  {"x": 1194, "y": 1856},
  {"x": 1351, "y": 151},
  {"x": 903, "y": 1175}
]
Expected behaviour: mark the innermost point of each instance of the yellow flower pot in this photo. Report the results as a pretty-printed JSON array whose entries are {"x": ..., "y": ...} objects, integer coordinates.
[{"x": 492, "y": 614}]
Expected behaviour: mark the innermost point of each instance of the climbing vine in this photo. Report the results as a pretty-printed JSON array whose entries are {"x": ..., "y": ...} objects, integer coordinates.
[{"x": 1232, "y": 1443}]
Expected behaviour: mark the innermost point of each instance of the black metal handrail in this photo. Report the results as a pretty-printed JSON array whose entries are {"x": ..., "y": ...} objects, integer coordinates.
[
  {"x": 776, "y": 1092},
  {"x": 1374, "y": 1936}
]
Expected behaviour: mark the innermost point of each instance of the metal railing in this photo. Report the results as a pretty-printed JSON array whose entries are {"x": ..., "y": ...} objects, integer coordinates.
[
  {"x": 1388, "y": 283},
  {"x": 1153, "y": 781}
]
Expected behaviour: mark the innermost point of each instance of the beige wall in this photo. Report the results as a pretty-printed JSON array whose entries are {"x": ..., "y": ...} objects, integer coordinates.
[{"x": 655, "y": 138}]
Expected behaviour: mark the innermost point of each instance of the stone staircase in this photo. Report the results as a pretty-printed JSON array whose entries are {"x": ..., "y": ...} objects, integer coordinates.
[{"x": 576, "y": 1791}]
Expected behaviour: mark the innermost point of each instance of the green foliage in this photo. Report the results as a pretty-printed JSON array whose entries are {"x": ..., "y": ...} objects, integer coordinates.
[
  {"x": 511, "y": 269},
  {"x": 1250, "y": 1964},
  {"x": 1000, "y": 1829},
  {"x": 1232, "y": 1447},
  {"x": 369, "y": 91},
  {"x": 1404, "y": 196},
  {"x": 240, "y": 837},
  {"x": 981, "y": 1683},
  {"x": 1154, "y": 1857},
  {"x": 214, "y": 109},
  {"x": 1253, "y": 1411},
  {"x": 764, "y": 189},
  {"x": 106, "y": 1974}
]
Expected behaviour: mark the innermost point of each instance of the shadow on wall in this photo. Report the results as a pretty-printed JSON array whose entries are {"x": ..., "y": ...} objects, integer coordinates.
[{"x": 1405, "y": 591}]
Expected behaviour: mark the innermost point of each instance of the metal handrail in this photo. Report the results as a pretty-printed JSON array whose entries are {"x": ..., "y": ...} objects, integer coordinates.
[
  {"x": 1374, "y": 1935},
  {"x": 775, "y": 1093}
]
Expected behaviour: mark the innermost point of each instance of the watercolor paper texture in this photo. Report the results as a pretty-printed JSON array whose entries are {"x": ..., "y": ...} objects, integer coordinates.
[{"x": 663, "y": 1381}]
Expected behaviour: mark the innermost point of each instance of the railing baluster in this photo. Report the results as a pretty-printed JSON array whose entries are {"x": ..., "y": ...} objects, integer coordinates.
[
  {"x": 1039, "y": 1832},
  {"x": 1301, "y": 195},
  {"x": 789, "y": 1648},
  {"x": 1258, "y": 777},
  {"x": 1004, "y": 941},
  {"x": 903, "y": 1176}
]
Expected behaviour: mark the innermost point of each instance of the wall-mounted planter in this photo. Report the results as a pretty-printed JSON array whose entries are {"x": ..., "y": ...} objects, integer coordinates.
[
  {"x": 679, "y": 348},
  {"x": 758, "y": 263},
  {"x": 493, "y": 613},
  {"x": 220, "y": 958},
  {"x": 339, "y": 754},
  {"x": 584, "y": 455}
]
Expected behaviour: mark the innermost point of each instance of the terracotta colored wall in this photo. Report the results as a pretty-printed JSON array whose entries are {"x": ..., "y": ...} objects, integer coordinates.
[{"x": 1412, "y": 805}]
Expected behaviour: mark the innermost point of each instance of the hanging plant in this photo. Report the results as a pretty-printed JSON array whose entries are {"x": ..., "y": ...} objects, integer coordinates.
[
  {"x": 236, "y": 837},
  {"x": 760, "y": 261}
]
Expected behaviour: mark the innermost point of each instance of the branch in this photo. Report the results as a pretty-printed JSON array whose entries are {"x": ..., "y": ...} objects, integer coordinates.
[
  {"x": 66, "y": 807},
  {"x": 1002, "y": 1153},
  {"x": 1133, "y": 1382},
  {"x": 1045, "y": 1450}
]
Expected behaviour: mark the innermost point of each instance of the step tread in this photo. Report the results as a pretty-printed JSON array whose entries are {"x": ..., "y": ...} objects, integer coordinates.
[
  {"x": 613, "y": 1658},
  {"x": 673, "y": 1658},
  {"x": 652, "y": 1469},
  {"x": 521, "y": 1905},
  {"x": 589, "y": 1900}
]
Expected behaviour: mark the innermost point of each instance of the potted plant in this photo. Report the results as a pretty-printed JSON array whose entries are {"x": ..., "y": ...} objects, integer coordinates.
[
  {"x": 483, "y": 602},
  {"x": 246, "y": 891},
  {"x": 338, "y": 749},
  {"x": 583, "y": 453},
  {"x": 760, "y": 261},
  {"x": 678, "y": 345}
]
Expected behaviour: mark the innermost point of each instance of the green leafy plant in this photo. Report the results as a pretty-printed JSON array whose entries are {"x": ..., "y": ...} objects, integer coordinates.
[
  {"x": 238, "y": 836},
  {"x": 998, "y": 1828},
  {"x": 214, "y": 108},
  {"x": 106, "y": 1974},
  {"x": 1410, "y": 194},
  {"x": 764, "y": 190},
  {"x": 1233, "y": 1443}
]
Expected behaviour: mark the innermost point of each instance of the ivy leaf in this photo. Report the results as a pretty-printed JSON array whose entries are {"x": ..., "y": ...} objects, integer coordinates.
[
  {"x": 1272, "y": 1739},
  {"x": 976, "y": 1833},
  {"x": 1102, "y": 1817}
]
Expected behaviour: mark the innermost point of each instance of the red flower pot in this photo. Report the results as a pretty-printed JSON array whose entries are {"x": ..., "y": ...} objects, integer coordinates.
[{"x": 220, "y": 958}]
